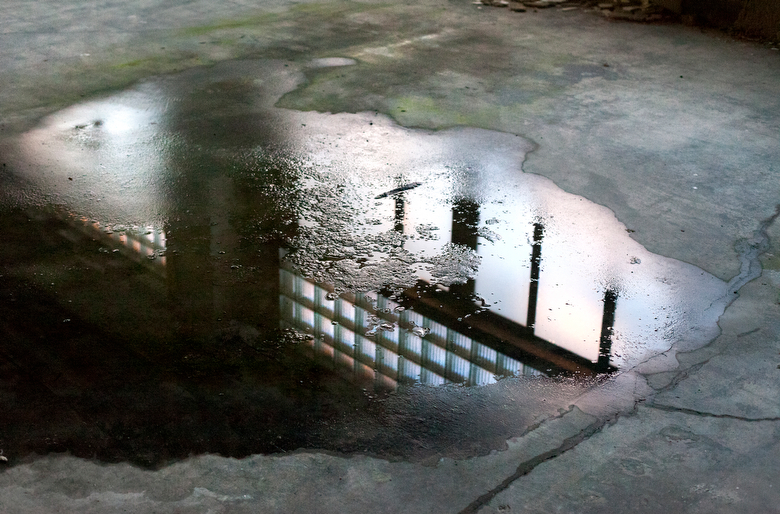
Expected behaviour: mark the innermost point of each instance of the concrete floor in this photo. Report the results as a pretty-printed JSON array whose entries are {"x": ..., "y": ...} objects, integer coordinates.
[{"x": 675, "y": 130}]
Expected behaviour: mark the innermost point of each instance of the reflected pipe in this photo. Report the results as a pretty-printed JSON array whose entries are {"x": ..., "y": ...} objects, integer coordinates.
[
  {"x": 399, "y": 214},
  {"x": 607, "y": 324},
  {"x": 533, "y": 289},
  {"x": 465, "y": 220}
]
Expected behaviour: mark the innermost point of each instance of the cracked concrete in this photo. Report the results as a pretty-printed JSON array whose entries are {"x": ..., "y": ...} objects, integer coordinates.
[
  {"x": 707, "y": 441},
  {"x": 679, "y": 138},
  {"x": 739, "y": 375},
  {"x": 654, "y": 461}
]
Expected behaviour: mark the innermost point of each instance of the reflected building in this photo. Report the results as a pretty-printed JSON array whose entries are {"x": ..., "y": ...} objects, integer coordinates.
[
  {"x": 434, "y": 334},
  {"x": 431, "y": 334},
  {"x": 212, "y": 219},
  {"x": 183, "y": 304},
  {"x": 375, "y": 339},
  {"x": 143, "y": 245}
]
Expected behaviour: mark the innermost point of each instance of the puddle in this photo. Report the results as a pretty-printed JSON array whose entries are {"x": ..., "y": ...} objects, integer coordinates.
[{"x": 187, "y": 269}]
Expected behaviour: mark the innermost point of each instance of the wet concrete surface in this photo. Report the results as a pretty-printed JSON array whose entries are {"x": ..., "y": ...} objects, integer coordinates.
[
  {"x": 186, "y": 242},
  {"x": 202, "y": 269}
]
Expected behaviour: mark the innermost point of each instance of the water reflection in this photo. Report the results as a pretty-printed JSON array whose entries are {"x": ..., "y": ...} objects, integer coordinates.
[
  {"x": 190, "y": 269},
  {"x": 143, "y": 245},
  {"x": 379, "y": 341},
  {"x": 435, "y": 334}
]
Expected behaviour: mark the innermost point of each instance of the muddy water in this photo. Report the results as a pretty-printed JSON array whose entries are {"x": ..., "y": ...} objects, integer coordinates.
[{"x": 187, "y": 269}]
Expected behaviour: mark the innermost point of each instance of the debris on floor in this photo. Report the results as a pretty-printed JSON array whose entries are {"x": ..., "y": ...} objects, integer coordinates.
[{"x": 630, "y": 10}]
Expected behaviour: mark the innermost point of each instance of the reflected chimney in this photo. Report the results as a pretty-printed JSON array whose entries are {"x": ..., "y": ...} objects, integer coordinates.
[
  {"x": 465, "y": 220},
  {"x": 533, "y": 290},
  {"x": 607, "y": 323}
]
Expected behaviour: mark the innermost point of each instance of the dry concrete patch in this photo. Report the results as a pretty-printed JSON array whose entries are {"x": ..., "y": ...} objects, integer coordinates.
[
  {"x": 737, "y": 375},
  {"x": 676, "y": 133},
  {"x": 657, "y": 461}
]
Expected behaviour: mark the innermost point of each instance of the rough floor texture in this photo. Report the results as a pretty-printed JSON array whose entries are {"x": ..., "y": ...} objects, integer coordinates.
[{"x": 676, "y": 131}]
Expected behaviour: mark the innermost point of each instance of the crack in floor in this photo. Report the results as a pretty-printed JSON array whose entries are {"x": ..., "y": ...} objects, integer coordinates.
[
  {"x": 749, "y": 252},
  {"x": 750, "y": 269},
  {"x": 529, "y": 465},
  {"x": 693, "y": 412},
  {"x": 682, "y": 375}
]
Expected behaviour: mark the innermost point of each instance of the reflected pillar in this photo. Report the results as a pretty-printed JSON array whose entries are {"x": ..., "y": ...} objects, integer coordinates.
[
  {"x": 607, "y": 323},
  {"x": 533, "y": 289},
  {"x": 465, "y": 220},
  {"x": 399, "y": 214},
  {"x": 189, "y": 275}
]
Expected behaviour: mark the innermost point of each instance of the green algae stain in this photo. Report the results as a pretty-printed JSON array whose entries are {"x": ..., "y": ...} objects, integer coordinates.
[
  {"x": 316, "y": 12},
  {"x": 434, "y": 113},
  {"x": 130, "y": 64},
  {"x": 265, "y": 35},
  {"x": 396, "y": 87},
  {"x": 320, "y": 8},
  {"x": 770, "y": 261},
  {"x": 422, "y": 111},
  {"x": 131, "y": 70},
  {"x": 249, "y": 22},
  {"x": 366, "y": 88},
  {"x": 157, "y": 63}
]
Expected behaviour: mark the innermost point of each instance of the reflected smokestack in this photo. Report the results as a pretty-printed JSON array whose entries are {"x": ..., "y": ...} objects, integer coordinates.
[
  {"x": 607, "y": 323},
  {"x": 465, "y": 220},
  {"x": 533, "y": 290},
  {"x": 399, "y": 214}
]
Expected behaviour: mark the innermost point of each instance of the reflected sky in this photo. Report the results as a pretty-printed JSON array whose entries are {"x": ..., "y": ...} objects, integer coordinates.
[
  {"x": 103, "y": 159},
  {"x": 192, "y": 224},
  {"x": 127, "y": 161}
]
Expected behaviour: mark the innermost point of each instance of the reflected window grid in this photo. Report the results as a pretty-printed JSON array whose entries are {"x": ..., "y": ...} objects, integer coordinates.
[
  {"x": 144, "y": 245},
  {"x": 338, "y": 326}
]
